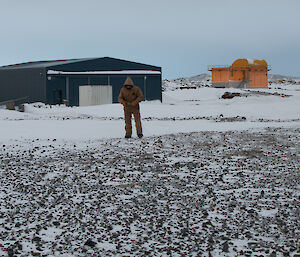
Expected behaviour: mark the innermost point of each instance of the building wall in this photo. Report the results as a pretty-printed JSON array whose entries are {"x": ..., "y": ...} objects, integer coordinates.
[
  {"x": 22, "y": 83},
  {"x": 235, "y": 77},
  {"x": 258, "y": 79},
  {"x": 54, "y": 87},
  {"x": 151, "y": 87},
  {"x": 220, "y": 75}
]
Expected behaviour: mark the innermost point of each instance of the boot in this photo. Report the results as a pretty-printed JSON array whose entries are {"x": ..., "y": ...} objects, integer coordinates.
[
  {"x": 140, "y": 135},
  {"x": 127, "y": 136}
]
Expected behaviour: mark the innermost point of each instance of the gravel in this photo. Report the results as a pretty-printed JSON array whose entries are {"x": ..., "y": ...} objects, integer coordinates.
[{"x": 197, "y": 194}]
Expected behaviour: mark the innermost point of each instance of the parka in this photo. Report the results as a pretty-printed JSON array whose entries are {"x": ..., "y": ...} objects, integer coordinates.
[{"x": 130, "y": 96}]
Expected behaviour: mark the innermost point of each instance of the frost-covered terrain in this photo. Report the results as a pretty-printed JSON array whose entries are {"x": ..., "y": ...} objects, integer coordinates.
[
  {"x": 195, "y": 81},
  {"x": 211, "y": 177},
  {"x": 223, "y": 193},
  {"x": 187, "y": 110}
]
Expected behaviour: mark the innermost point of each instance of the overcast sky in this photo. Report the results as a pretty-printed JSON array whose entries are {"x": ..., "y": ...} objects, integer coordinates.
[{"x": 181, "y": 36}]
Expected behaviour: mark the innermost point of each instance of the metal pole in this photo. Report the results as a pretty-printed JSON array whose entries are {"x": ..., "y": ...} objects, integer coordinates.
[
  {"x": 145, "y": 87},
  {"x": 68, "y": 89}
]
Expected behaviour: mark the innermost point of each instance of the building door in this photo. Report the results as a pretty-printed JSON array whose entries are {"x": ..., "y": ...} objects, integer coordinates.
[
  {"x": 95, "y": 95},
  {"x": 57, "y": 96},
  {"x": 55, "y": 89}
]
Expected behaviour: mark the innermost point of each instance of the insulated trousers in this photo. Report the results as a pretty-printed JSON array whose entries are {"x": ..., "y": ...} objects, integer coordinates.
[{"x": 128, "y": 111}]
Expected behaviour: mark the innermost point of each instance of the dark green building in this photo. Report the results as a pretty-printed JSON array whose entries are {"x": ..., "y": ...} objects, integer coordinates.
[{"x": 54, "y": 82}]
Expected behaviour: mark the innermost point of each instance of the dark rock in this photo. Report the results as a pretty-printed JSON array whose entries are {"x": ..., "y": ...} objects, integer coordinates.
[
  {"x": 210, "y": 240},
  {"x": 109, "y": 227},
  {"x": 115, "y": 235},
  {"x": 228, "y": 95},
  {"x": 36, "y": 239},
  {"x": 90, "y": 243},
  {"x": 251, "y": 211},
  {"x": 224, "y": 237},
  {"x": 10, "y": 252},
  {"x": 185, "y": 232},
  {"x": 205, "y": 214},
  {"x": 253, "y": 245},
  {"x": 225, "y": 247},
  {"x": 18, "y": 245},
  {"x": 56, "y": 223}
]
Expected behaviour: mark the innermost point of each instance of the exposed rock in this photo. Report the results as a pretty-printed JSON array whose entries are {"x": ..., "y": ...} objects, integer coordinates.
[
  {"x": 193, "y": 193},
  {"x": 225, "y": 247},
  {"x": 56, "y": 223},
  {"x": 90, "y": 243},
  {"x": 229, "y": 95}
]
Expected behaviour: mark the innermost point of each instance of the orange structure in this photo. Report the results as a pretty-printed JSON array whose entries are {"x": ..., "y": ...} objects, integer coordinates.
[{"x": 243, "y": 73}]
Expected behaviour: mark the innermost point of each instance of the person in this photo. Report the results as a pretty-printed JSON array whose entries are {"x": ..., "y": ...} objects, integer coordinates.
[{"x": 130, "y": 96}]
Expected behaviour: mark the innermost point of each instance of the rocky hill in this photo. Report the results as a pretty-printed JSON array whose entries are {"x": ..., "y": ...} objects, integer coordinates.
[
  {"x": 278, "y": 77},
  {"x": 197, "y": 81},
  {"x": 204, "y": 80}
]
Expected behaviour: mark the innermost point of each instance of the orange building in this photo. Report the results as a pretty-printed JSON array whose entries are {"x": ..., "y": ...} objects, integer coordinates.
[{"x": 243, "y": 73}]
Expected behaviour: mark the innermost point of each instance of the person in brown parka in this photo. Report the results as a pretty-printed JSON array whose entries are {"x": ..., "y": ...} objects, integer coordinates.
[{"x": 130, "y": 96}]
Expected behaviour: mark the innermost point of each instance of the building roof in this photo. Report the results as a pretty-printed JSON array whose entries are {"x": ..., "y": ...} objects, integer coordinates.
[
  {"x": 121, "y": 72},
  {"x": 249, "y": 63},
  {"x": 52, "y": 63},
  {"x": 242, "y": 64},
  {"x": 43, "y": 64}
]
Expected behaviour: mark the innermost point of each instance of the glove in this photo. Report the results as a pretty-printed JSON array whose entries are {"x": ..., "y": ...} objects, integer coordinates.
[{"x": 124, "y": 104}]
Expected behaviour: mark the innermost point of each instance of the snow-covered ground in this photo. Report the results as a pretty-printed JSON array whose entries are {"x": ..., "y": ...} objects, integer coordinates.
[
  {"x": 211, "y": 177},
  {"x": 187, "y": 110}
]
